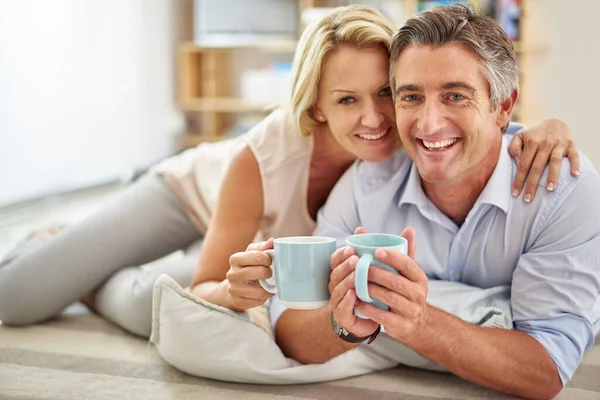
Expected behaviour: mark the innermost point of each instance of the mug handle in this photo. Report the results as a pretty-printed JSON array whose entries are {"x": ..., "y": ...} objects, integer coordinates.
[
  {"x": 263, "y": 282},
  {"x": 361, "y": 277}
]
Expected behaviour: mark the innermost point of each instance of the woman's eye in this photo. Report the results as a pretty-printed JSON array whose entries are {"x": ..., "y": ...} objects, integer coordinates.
[
  {"x": 346, "y": 100},
  {"x": 386, "y": 92}
]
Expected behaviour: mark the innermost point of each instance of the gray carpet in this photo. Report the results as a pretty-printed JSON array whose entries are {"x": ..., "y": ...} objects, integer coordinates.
[{"x": 80, "y": 356}]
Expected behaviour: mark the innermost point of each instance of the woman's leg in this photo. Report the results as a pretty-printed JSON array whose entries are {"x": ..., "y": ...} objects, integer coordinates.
[
  {"x": 126, "y": 298},
  {"x": 145, "y": 223}
]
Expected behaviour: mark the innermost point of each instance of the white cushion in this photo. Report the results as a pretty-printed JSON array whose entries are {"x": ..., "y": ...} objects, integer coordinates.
[{"x": 206, "y": 340}]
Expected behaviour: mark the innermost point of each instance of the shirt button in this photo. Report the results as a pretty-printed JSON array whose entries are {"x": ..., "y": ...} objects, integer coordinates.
[{"x": 456, "y": 276}]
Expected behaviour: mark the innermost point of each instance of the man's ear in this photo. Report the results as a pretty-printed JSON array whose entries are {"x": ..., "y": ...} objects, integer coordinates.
[{"x": 505, "y": 109}]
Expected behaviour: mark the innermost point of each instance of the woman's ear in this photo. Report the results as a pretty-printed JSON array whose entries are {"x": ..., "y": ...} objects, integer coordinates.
[
  {"x": 505, "y": 109},
  {"x": 318, "y": 114}
]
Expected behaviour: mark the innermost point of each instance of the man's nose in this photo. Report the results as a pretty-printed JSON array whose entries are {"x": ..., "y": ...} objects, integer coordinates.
[{"x": 431, "y": 119}]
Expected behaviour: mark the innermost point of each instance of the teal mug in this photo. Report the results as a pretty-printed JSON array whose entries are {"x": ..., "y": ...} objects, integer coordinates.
[
  {"x": 301, "y": 267},
  {"x": 364, "y": 246}
]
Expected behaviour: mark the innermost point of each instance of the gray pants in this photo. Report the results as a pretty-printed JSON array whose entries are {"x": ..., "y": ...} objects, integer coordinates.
[{"x": 103, "y": 253}]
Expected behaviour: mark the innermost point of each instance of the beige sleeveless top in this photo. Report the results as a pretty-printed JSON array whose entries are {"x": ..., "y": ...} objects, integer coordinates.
[{"x": 283, "y": 157}]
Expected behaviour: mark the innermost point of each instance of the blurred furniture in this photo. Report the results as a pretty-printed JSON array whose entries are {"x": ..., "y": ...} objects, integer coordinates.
[{"x": 222, "y": 78}]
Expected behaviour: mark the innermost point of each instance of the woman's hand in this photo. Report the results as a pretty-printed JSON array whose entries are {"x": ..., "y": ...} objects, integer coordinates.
[
  {"x": 534, "y": 148},
  {"x": 246, "y": 268}
]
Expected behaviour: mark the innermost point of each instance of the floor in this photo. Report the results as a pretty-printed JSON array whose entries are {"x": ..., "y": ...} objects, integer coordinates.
[{"x": 19, "y": 221}]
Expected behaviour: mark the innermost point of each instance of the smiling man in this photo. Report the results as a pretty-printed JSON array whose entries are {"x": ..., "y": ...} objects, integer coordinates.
[{"x": 454, "y": 78}]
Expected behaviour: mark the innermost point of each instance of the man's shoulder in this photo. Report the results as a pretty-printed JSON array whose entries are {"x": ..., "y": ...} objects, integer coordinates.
[{"x": 566, "y": 181}]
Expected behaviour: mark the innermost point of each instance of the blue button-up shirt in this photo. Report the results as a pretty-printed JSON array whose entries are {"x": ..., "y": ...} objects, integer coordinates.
[{"x": 548, "y": 250}]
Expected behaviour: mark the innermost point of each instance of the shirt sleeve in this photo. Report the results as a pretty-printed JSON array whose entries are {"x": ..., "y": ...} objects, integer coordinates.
[
  {"x": 513, "y": 127},
  {"x": 338, "y": 218},
  {"x": 556, "y": 285}
]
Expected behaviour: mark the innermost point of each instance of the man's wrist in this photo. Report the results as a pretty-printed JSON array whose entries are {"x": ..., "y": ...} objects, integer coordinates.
[
  {"x": 348, "y": 336},
  {"x": 421, "y": 334}
]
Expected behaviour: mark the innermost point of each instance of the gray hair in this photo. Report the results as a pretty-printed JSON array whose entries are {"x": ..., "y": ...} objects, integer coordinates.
[{"x": 460, "y": 24}]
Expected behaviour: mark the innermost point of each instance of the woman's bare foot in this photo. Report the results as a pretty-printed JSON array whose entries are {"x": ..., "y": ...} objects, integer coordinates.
[{"x": 46, "y": 232}]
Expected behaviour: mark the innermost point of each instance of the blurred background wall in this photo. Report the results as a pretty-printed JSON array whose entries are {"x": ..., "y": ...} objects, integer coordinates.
[
  {"x": 86, "y": 92},
  {"x": 93, "y": 91},
  {"x": 563, "y": 73}
]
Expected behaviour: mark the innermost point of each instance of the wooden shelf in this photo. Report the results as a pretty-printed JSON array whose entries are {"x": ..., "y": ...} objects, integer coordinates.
[
  {"x": 267, "y": 47},
  {"x": 191, "y": 139},
  {"x": 223, "y": 104}
]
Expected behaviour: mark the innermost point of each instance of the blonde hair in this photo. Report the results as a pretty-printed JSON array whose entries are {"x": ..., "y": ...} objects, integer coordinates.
[{"x": 354, "y": 25}]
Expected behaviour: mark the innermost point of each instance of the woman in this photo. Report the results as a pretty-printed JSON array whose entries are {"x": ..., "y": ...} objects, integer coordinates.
[{"x": 285, "y": 167}]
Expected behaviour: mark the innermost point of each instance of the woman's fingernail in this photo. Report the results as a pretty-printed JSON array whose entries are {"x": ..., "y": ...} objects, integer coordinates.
[
  {"x": 515, "y": 192},
  {"x": 576, "y": 172},
  {"x": 550, "y": 186},
  {"x": 528, "y": 197}
]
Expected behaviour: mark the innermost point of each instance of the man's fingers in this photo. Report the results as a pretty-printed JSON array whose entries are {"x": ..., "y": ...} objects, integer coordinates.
[
  {"x": 341, "y": 255},
  {"x": 396, "y": 301},
  {"x": 339, "y": 291},
  {"x": 360, "y": 231},
  {"x": 342, "y": 271},
  {"x": 393, "y": 283},
  {"x": 402, "y": 263},
  {"x": 409, "y": 235}
]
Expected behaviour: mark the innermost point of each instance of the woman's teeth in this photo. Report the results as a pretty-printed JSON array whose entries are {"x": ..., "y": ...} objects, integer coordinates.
[
  {"x": 376, "y": 136},
  {"x": 441, "y": 144}
]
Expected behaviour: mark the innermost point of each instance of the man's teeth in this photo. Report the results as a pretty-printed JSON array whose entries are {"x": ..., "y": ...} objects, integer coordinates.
[
  {"x": 439, "y": 145},
  {"x": 373, "y": 137}
]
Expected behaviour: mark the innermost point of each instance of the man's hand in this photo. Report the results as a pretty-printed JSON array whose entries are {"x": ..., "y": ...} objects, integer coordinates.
[
  {"x": 405, "y": 293},
  {"x": 343, "y": 296}
]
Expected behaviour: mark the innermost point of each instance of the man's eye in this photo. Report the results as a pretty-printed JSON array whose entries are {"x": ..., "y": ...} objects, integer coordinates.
[
  {"x": 346, "y": 100},
  {"x": 457, "y": 97},
  {"x": 411, "y": 97}
]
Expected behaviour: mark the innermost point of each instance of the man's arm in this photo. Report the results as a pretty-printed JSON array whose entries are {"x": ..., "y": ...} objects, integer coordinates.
[
  {"x": 555, "y": 295},
  {"x": 509, "y": 361},
  {"x": 307, "y": 336}
]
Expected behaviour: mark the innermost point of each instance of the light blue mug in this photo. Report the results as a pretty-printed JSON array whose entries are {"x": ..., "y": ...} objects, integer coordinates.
[
  {"x": 364, "y": 246},
  {"x": 301, "y": 267}
]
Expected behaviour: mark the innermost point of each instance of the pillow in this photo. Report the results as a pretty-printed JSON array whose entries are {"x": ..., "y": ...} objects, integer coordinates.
[
  {"x": 206, "y": 340},
  {"x": 213, "y": 342}
]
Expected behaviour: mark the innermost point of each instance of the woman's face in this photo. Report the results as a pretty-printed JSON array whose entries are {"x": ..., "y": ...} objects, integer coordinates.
[{"x": 355, "y": 100}]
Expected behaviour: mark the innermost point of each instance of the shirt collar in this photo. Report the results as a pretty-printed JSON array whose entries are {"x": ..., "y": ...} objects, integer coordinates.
[{"x": 496, "y": 192}]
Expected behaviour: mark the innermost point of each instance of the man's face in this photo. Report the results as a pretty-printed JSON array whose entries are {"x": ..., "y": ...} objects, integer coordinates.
[{"x": 444, "y": 114}]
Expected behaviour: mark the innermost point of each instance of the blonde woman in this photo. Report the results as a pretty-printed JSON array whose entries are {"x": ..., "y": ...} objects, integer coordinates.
[{"x": 270, "y": 183}]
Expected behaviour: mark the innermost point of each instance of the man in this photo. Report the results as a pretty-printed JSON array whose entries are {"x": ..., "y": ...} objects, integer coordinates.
[{"x": 454, "y": 76}]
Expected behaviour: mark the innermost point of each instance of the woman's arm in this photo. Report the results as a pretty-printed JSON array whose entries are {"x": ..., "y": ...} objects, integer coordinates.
[
  {"x": 233, "y": 226},
  {"x": 534, "y": 148}
]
